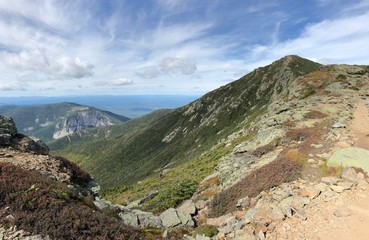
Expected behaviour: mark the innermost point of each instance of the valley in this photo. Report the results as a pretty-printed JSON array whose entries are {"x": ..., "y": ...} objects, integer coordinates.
[{"x": 280, "y": 153}]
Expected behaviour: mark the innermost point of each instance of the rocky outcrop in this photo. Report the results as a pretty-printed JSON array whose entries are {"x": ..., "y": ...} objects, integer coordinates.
[
  {"x": 171, "y": 218},
  {"x": 352, "y": 156},
  {"x": 273, "y": 210},
  {"x": 9, "y": 136},
  {"x": 88, "y": 118},
  {"x": 7, "y": 130},
  {"x": 13, "y": 233}
]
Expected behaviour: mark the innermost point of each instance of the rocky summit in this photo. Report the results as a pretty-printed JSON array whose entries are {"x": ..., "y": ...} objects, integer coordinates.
[{"x": 279, "y": 154}]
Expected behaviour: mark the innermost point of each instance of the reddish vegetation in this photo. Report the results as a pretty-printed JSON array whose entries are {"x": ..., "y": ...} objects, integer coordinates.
[
  {"x": 270, "y": 175},
  {"x": 306, "y": 135},
  {"x": 313, "y": 114},
  {"x": 42, "y": 206},
  {"x": 259, "y": 152},
  {"x": 78, "y": 175}
]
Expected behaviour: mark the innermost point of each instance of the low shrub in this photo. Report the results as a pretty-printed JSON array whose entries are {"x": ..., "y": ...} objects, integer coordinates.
[
  {"x": 308, "y": 92},
  {"x": 78, "y": 175},
  {"x": 43, "y": 206},
  {"x": 264, "y": 178},
  {"x": 208, "y": 231},
  {"x": 341, "y": 77},
  {"x": 171, "y": 197}
]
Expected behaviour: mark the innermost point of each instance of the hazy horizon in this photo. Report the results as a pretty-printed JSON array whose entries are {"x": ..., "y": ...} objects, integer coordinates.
[{"x": 130, "y": 106}]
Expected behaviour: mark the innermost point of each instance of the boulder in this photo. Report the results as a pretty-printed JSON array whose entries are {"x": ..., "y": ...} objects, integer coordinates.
[
  {"x": 26, "y": 143},
  {"x": 350, "y": 157},
  {"x": 7, "y": 126},
  {"x": 349, "y": 174},
  {"x": 170, "y": 218},
  {"x": 146, "y": 219},
  {"x": 187, "y": 207},
  {"x": 186, "y": 219},
  {"x": 5, "y": 139},
  {"x": 130, "y": 219},
  {"x": 100, "y": 204}
]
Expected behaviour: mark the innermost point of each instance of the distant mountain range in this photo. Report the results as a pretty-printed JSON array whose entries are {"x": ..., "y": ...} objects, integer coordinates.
[{"x": 53, "y": 121}]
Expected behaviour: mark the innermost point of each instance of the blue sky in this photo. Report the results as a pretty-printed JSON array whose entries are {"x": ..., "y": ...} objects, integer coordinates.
[{"x": 188, "y": 47}]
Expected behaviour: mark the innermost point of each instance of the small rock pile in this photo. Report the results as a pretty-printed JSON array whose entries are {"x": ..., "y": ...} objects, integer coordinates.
[
  {"x": 265, "y": 216},
  {"x": 171, "y": 218},
  {"x": 12, "y": 233}
]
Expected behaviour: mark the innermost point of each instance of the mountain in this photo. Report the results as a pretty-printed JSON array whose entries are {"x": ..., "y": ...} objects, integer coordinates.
[
  {"x": 44, "y": 197},
  {"x": 103, "y": 135},
  {"x": 187, "y": 132},
  {"x": 53, "y": 121},
  {"x": 292, "y": 165}
]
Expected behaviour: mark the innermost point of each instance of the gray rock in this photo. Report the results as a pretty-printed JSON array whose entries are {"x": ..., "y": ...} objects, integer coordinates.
[
  {"x": 337, "y": 189},
  {"x": 170, "y": 218},
  {"x": 279, "y": 195},
  {"x": 338, "y": 125},
  {"x": 40, "y": 146},
  {"x": 300, "y": 213},
  {"x": 187, "y": 207},
  {"x": 130, "y": 219},
  {"x": 100, "y": 204},
  {"x": 149, "y": 220},
  {"x": 330, "y": 180},
  {"x": 349, "y": 174},
  {"x": 243, "y": 202},
  {"x": 7, "y": 126},
  {"x": 350, "y": 157},
  {"x": 5, "y": 139},
  {"x": 186, "y": 219}
]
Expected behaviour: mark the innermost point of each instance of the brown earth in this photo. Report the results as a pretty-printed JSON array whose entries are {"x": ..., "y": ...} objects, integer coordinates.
[
  {"x": 359, "y": 127},
  {"x": 322, "y": 222}
]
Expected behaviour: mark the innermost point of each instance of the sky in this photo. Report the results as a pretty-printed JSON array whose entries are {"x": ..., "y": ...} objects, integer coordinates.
[{"x": 167, "y": 47}]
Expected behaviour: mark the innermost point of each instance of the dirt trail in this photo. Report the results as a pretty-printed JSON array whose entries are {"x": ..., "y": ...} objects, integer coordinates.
[
  {"x": 344, "y": 217},
  {"x": 323, "y": 222},
  {"x": 359, "y": 127}
]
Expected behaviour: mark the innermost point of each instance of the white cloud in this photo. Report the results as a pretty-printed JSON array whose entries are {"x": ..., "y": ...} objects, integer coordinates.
[
  {"x": 148, "y": 72},
  {"x": 38, "y": 61},
  {"x": 177, "y": 65},
  {"x": 12, "y": 87},
  {"x": 115, "y": 82},
  {"x": 339, "y": 40}
]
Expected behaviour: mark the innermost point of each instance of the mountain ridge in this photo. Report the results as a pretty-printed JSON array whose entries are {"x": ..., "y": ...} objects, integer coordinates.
[
  {"x": 51, "y": 121},
  {"x": 203, "y": 122}
]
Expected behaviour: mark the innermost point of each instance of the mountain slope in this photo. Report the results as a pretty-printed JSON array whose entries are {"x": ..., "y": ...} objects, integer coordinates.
[
  {"x": 44, "y": 197},
  {"x": 52, "y": 121},
  {"x": 100, "y": 135},
  {"x": 187, "y": 132}
]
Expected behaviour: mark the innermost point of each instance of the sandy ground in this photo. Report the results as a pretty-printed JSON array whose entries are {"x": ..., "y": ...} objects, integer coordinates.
[
  {"x": 359, "y": 127},
  {"x": 354, "y": 204}
]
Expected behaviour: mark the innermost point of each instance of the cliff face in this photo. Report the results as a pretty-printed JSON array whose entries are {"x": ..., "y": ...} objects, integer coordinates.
[
  {"x": 81, "y": 120},
  {"x": 53, "y": 121}
]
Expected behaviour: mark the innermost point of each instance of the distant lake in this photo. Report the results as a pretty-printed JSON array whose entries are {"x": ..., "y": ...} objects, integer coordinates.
[{"x": 130, "y": 106}]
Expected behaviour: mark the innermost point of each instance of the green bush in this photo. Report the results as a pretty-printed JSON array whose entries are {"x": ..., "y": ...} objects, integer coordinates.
[
  {"x": 308, "y": 92},
  {"x": 172, "y": 197},
  {"x": 208, "y": 231},
  {"x": 341, "y": 77}
]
